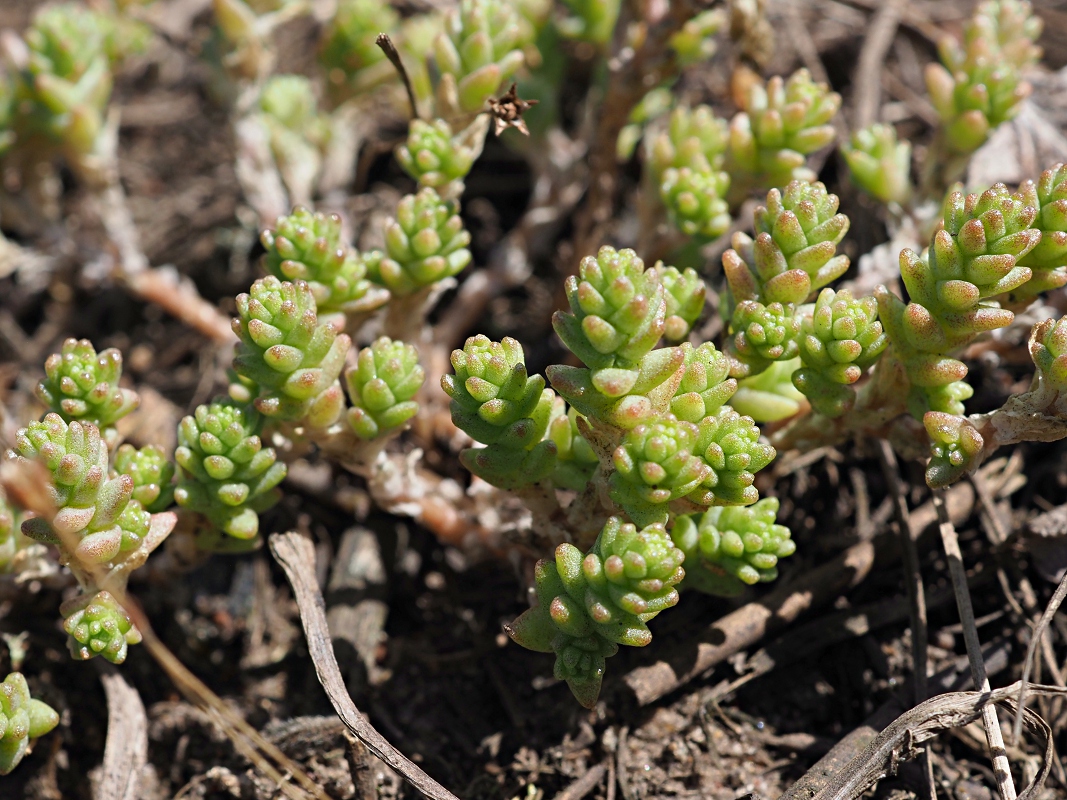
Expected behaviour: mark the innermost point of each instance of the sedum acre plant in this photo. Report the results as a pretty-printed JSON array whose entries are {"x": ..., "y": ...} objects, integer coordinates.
[
  {"x": 22, "y": 718},
  {"x": 638, "y": 457}
]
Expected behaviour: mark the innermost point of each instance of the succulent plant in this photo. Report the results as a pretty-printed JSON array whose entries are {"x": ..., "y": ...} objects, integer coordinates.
[
  {"x": 763, "y": 334},
  {"x": 694, "y": 42},
  {"x": 955, "y": 443},
  {"x": 382, "y": 387},
  {"x": 840, "y": 340},
  {"x": 226, "y": 473},
  {"x": 151, "y": 473},
  {"x": 780, "y": 124},
  {"x": 435, "y": 158},
  {"x": 694, "y": 201},
  {"x": 729, "y": 443},
  {"x": 879, "y": 163},
  {"x": 972, "y": 260},
  {"x": 306, "y": 246},
  {"x": 1048, "y": 258},
  {"x": 500, "y": 405},
  {"x": 96, "y": 519},
  {"x": 425, "y": 243},
  {"x": 576, "y": 461},
  {"x": 10, "y": 536},
  {"x": 685, "y": 294},
  {"x": 694, "y": 138},
  {"x": 618, "y": 313},
  {"x": 1049, "y": 351},
  {"x": 98, "y": 626},
  {"x": 81, "y": 384},
  {"x": 706, "y": 385},
  {"x": 587, "y": 605},
  {"x": 979, "y": 85},
  {"x": 292, "y": 357},
  {"x": 353, "y": 61},
  {"x": 654, "y": 465},
  {"x": 795, "y": 249},
  {"x": 590, "y": 20},
  {"x": 727, "y": 548},
  {"x": 22, "y": 718},
  {"x": 480, "y": 48}
]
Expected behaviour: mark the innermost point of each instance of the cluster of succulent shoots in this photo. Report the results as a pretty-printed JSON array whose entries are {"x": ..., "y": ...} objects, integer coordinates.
[
  {"x": 648, "y": 439},
  {"x": 55, "y": 90},
  {"x": 705, "y": 166},
  {"x": 979, "y": 84}
]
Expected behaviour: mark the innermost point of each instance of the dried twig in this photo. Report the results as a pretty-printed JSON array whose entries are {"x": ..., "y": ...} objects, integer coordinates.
[
  {"x": 1031, "y": 650},
  {"x": 748, "y": 624},
  {"x": 951, "y": 544},
  {"x": 296, "y": 554},
  {"x": 831, "y": 765},
  {"x": 386, "y": 44},
  {"x": 868, "y": 84},
  {"x": 585, "y": 784},
  {"x": 897, "y": 742},
  {"x": 126, "y": 749},
  {"x": 913, "y": 578}
]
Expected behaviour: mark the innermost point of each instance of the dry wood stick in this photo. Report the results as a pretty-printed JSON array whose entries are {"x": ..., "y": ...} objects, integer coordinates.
[
  {"x": 126, "y": 748},
  {"x": 829, "y": 767},
  {"x": 950, "y": 542},
  {"x": 913, "y": 578},
  {"x": 871, "y": 64},
  {"x": 296, "y": 554},
  {"x": 585, "y": 784}
]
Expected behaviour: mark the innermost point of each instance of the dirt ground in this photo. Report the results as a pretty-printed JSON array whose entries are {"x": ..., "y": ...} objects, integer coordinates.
[{"x": 443, "y": 684}]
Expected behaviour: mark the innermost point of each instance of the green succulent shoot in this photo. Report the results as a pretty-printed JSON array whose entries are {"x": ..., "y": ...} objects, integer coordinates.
[
  {"x": 952, "y": 287},
  {"x": 879, "y": 163},
  {"x": 480, "y": 48},
  {"x": 588, "y": 605},
  {"x": 499, "y": 404},
  {"x": 435, "y": 158},
  {"x": 576, "y": 461},
  {"x": 425, "y": 243},
  {"x": 685, "y": 294},
  {"x": 706, "y": 386},
  {"x": 63, "y": 93},
  {"x": 654, "y": 465},
  {"x": 9, "y": 533},
  {"x": 382, "y": 387},
  {"x": 81, "y": 384},
  {"x": 293, "y": 358},
  {"x": 780, "y": 124},
  {"x": 1048, "y": 258},
  {"x": 354, "y": 63},
  {"x": 1048, "y": 348},
  {"x": 686, "y": 162},
  {"x": 590, "y": 20},
  {"x": 309, "y": 247},
  {"x": 151, "y": 474},
  {"x": 226, "y": 473},
  {"x": 97, "y": 625},
  {"x": 795, "y": 249},
  {"x": 979, "y": 85},
  {"x": 22, "y": 718},
  {"x": 728, "y": 548},
  {"x": 839, "y": 340},
  {"x": 618, "y": 313},
  {"x": 97, "y": 522}
]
